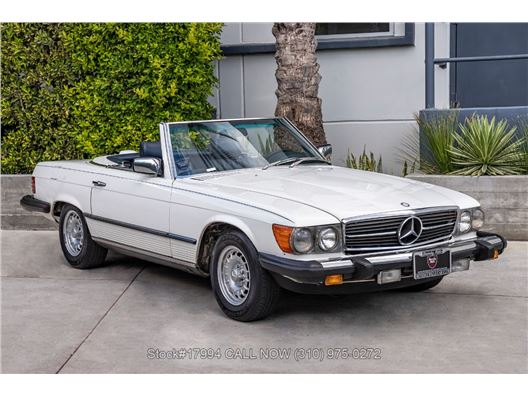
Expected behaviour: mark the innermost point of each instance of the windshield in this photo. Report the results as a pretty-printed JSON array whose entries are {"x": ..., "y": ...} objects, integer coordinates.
[{"x": 201, "y": 147}]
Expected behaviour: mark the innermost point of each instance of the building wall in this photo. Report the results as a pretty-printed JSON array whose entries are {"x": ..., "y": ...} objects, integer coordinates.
[{"x": 369, "y": 94}]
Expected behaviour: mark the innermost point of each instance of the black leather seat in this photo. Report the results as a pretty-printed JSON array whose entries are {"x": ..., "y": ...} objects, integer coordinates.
[{"x": 150, "y": 149}]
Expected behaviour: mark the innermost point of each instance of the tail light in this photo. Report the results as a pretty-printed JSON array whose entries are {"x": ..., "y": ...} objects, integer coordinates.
[{"x": 33, "y": 185}]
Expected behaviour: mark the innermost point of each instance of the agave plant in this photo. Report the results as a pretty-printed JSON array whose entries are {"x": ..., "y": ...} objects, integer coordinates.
[
  {"x": 524, "y": 148},
  {"x": 433, "y": 155},
  {"x": 366, "y": 162},
  {"x": 486, "y": 147}
]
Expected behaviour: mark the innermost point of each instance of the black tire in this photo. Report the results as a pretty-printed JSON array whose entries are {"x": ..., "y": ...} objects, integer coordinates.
[
  {"x": 91, "y": 254},
  {"x": 422, "y": 286},
  {"x": 264, "y": 293}
]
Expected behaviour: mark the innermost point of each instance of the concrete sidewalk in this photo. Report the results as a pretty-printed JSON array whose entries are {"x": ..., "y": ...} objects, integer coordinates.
[{"x": 117, "y": 318}]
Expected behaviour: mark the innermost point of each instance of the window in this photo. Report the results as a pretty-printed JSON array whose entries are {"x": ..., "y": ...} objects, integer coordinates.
[
  {"x": 215, "y": 146},
  {"x": 331, "y": 36},
  {"x": 338, "y": 30}
]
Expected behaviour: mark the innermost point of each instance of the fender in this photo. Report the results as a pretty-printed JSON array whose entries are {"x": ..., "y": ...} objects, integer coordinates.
[
  {"x": 71, "y": 200},
  {"x": 226, "y": 219}
]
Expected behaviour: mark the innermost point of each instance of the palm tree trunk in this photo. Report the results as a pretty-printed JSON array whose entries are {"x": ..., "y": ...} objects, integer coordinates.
[{"x": 298, "y": 78}]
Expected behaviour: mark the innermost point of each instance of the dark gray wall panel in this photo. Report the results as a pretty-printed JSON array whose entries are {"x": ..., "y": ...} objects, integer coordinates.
[{"x": 491, "y": 83}]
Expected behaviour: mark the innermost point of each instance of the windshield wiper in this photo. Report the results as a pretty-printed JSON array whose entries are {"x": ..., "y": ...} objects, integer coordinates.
[
  {"x": 309, "y": 159},
  {"x": 296, "y": 161},
  {"x": 281, "y": 162}
]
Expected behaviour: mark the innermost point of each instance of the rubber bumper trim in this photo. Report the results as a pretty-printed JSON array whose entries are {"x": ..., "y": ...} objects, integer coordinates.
[
  {"x": 487, "y": 244},
  {"x": 306, "y": 271},
  {"x": 32, "y": 204},
  {"x": 312, "y": 271}
]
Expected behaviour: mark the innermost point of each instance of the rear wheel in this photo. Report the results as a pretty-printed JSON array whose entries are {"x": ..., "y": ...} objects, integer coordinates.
[
  {"x": 422, "y": 286},
  {"x": 77, "y": 245},
  {"x": 242, "y": 288}
]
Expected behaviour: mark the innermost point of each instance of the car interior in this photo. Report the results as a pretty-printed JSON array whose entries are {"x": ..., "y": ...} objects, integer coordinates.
[{"x": 225, "y": 155}]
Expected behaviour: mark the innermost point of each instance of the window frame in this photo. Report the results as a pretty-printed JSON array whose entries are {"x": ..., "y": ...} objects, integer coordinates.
[
  {"x": 167, "y": 141},
  {"x": 390, "y": 33},
  {"x": 402, "y": 38}
]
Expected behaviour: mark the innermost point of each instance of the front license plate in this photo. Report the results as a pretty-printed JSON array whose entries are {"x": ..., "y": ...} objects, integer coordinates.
[{"x": 431, "y": 263}]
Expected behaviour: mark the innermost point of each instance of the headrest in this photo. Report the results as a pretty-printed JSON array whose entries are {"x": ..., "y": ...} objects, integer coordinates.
[{"x": 150, "y": 149}]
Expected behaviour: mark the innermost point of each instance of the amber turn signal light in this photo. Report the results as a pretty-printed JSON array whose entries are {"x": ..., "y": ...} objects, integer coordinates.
[
  {"x": 495, "y": 254},
  {"x": 282, "y": 236},
  {"x": 331, "y": 280}
]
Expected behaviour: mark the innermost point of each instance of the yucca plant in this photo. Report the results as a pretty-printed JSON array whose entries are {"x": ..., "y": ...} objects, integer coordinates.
[
  {"x": 486, "y": 147},
  {"x": 366, "y": 162},
  {"x": 437, "y": 134}
]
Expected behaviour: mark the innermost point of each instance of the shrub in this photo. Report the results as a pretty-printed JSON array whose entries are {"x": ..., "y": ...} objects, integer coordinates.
[
  {"x": 437, "y": 134},
  {"x": 476, "y": 147},
  {"x": 524, "y": 150},
  {"x": 486, "y": 148},
  {"x": 366, "y": 162},
  {"x": 36, "y": 81},
  {"x": 81, "y": 90}
]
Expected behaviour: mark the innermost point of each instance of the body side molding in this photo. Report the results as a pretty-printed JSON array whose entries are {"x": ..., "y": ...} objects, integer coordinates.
[{"x": 141, "y": 228}]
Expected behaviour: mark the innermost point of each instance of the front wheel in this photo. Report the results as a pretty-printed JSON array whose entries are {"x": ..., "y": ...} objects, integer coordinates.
[
  {"x": 242, "y": 288},
  {"x": 76, "y": 243}
]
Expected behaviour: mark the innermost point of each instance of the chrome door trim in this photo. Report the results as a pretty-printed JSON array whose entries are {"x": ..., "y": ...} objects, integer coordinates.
[{"x": 170, "y": 235}]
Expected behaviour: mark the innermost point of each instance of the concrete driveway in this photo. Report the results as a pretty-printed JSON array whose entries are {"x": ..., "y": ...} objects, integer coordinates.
[{"x": 135, "y": 317}]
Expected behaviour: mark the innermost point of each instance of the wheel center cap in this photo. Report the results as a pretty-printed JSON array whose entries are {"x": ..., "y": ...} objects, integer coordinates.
[{"x": 236, "y": 272}]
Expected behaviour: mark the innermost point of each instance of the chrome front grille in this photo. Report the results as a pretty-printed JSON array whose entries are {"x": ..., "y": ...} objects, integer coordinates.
[{"x": 381, "y": 233}]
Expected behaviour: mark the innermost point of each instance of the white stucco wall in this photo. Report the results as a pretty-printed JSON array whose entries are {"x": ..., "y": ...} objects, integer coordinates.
[{"x": 369, "y": 94}]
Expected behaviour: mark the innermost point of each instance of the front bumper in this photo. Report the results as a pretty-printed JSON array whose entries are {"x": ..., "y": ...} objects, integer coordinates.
[{"x": 360, "y": 272}]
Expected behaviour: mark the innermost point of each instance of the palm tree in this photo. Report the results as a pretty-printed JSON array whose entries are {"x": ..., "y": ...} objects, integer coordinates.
[{"x": 298, "y": 78}]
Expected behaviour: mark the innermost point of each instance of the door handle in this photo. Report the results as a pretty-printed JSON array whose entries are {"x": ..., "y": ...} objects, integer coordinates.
[{"x": 98, "y": 183}]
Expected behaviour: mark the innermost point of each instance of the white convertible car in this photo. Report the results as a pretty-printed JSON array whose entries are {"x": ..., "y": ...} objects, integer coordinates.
[{"x": 252, "y": 204}]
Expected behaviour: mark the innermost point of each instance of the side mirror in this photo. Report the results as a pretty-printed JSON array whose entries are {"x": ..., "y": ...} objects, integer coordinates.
[
  {"x": 147, "y": 165},
  {"x": 326, "y": 151}
]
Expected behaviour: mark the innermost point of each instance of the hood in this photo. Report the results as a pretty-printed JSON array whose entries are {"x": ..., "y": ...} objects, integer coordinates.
[{"x": 341, "y": 192}]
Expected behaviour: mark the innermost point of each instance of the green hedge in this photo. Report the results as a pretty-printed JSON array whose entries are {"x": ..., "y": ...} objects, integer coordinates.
[{"x": 80, "y": 90}]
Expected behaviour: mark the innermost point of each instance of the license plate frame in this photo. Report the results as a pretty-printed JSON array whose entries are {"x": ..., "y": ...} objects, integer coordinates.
[{"x": 432, "y": 263}]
